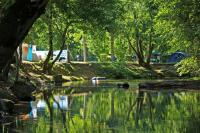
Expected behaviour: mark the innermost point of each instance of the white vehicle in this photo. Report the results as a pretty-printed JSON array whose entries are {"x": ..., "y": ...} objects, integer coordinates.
[{"x": 63, "y": 55}]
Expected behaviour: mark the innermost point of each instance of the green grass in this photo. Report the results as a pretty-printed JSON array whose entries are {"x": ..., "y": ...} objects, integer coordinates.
[{"x": 85, "y": 71}]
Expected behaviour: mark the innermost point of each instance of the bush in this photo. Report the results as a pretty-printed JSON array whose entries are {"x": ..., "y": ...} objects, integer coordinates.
[
  {"x": 118, "y": 70},
  {"x": 188, "y": 66},
  {"x": 105, "y": 58}
]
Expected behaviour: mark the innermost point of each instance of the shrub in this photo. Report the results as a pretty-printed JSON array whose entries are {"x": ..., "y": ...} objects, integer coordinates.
[
  {"x": 104, "y": 58},
  {"x": 118, "y": 70},
  {"x": 188, "y": 66}
]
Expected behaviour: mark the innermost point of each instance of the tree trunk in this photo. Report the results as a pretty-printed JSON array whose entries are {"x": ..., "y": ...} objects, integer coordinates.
[
  {"x": 5, "y": 71},
  {"x": 14, "y": 26},
  {"x": 139, "y": 46},
  {"x": 50, "y": 35},
  {"x": 50, "y": 65},
  {"x": 112, "y": 46},
  {"x": 20, "y": 54},
  {"x": 141, "y": 61},
  {"x": 149, "y": 54},
  {"x": 5, "y": 61},
  {"x": 112, "y": 106},
  {"x": 151, "y": 35},
  {"x": 68, "y": 54},
  {"x": 139, "y": 52},
  {"x": 17, "y": 66},
  {"x": 47, "y": 96},
  {"x": 129, "y": 50},
  {"x": 85, "y": 49}
]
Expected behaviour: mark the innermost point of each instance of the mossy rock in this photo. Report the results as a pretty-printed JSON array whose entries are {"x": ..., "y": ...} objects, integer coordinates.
[
  {"x": 23, "y": 90},
  {"x": 7, "y": 94},
  {"x": 6, "y": 105}
]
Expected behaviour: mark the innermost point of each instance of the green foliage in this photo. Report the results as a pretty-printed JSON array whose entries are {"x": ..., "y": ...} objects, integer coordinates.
[
  {"x": 103, "y": 13},
  {"x": 4, "y": 4},
  {"x": 187, "y": 16},
  {"x": 106, "y": 110},
  {"x": 168, "y": 25},
  {"x": 104, "y": 58},
  {"x": 178, "y": 23},
  {"x": 38, "y": 34},
  {"x": 120, "y": 70},
  {"x": 187, "y": 66}
]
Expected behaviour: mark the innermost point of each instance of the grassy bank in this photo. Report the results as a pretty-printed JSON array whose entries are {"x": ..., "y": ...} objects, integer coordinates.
[{"x": 84, "y": 71}]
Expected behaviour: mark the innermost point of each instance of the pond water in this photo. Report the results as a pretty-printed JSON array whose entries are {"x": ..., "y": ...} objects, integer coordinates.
[{"x": 104, "y": 108}]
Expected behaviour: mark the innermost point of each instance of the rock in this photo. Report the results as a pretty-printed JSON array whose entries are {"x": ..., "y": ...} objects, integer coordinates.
[
  {"x": 123, "y": 85},
  {"x": 7, "y": 120},
  {"x": 23, "y": 91},
  {"x": 193, "y": 84},
  {"x": 7, "y": 94},
  {"x": 6, "y": 105}
]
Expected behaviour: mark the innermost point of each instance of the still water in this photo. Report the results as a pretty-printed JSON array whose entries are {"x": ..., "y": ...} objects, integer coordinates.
[{"x": 104, "y": 108}]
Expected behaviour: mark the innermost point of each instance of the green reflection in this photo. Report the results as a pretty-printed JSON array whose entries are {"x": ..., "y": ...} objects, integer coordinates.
[{"x": 117, "y": 111}]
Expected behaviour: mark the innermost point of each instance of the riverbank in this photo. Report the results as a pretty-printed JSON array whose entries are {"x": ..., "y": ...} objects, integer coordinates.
[
  {"x": 77, "y": 71},
  {"x": 16, "y": 96}
]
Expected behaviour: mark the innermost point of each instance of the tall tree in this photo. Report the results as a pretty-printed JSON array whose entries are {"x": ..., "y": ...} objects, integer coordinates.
[
  {"x": 188, "y": 19},
  {"x": 16, "y": 19},
  {"x": 101, "y": 14},
  {"x": 85, "y": 48},
  {"x": 140, "y": 31},
  {"x": 57, "y": 24},
  {"x": 50, "y": 37}
]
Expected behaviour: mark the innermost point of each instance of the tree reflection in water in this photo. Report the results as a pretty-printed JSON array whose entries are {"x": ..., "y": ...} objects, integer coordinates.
[
  {"x": 115, "y": 110},
  {"x": 48, "y": 96}
]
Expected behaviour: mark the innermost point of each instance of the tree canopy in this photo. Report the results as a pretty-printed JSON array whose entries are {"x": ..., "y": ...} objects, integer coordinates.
[{"x": 103, "y": 30}]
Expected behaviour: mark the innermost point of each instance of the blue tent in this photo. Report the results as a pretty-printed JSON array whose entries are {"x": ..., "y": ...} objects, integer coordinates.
[
  {"x": 30, "y": 56},
  {"x": 176, "y": 57}
]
